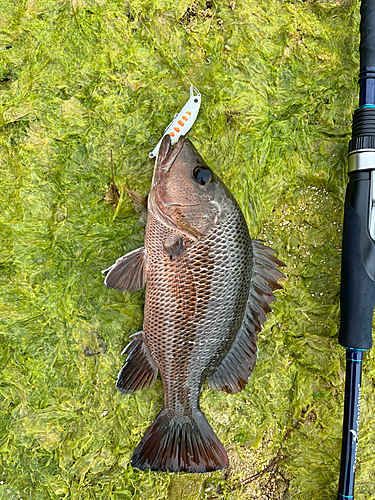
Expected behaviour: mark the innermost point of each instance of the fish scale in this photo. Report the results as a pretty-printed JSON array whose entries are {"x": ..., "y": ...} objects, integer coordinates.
[
  {"x": 208, "y": 289},
  {"x": 182, "y": 349}
]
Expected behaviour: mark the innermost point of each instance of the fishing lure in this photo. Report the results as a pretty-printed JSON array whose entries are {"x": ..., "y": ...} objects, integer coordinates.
[{"x": 182, "y": 121}]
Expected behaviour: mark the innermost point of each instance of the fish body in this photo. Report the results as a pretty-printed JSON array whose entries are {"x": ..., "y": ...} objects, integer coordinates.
[{"x": 209, "y": 286}]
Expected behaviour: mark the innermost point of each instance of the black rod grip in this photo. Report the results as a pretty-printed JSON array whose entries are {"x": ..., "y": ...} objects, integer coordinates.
[
  {"x": 357, "y": 294},
  {"x": 367, "y": 30}
]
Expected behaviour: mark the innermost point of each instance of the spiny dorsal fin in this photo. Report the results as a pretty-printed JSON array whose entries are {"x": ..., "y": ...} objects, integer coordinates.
[
  {"x": 139, "y": 201},
  {"x": 128, "y": 272},
  {"x": 234, "y": 371}
]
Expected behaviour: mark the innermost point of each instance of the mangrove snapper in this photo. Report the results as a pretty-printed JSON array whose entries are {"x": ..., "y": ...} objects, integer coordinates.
[{"x": 208, "y": 288}]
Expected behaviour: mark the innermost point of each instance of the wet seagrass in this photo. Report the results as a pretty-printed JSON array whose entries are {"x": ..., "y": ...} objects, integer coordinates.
[{"x": 208, "y": 288}]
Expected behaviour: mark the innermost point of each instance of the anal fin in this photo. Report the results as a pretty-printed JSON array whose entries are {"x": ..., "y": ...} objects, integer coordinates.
[
  {"x": 233, "y": 372},
  {"x": 128, "y": 272},
  {"x": 139, "y": 371}
]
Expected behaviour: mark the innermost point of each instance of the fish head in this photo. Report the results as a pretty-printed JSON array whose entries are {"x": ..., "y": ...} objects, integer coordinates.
[{"x": 186, "y": 194}]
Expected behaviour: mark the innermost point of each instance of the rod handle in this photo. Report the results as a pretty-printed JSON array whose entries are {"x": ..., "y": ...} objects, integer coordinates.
[{"x": 357, "y": 294}]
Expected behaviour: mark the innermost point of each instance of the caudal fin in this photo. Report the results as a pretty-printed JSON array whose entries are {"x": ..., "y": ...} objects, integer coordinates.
[{"x": 180, "y": 444}]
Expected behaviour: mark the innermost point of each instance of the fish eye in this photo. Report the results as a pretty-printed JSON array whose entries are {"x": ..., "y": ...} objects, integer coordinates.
[{"x": 202, "y": 175}]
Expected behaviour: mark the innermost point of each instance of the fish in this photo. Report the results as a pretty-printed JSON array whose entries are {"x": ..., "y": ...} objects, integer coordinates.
[{"x": 208, "y": 289}]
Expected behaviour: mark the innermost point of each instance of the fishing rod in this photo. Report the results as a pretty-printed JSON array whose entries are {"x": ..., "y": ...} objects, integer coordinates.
[{"x": 357, "y": 293}]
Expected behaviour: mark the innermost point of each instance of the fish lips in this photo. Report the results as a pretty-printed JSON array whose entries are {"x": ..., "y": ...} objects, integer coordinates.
[{"x": 167, "y": 156}]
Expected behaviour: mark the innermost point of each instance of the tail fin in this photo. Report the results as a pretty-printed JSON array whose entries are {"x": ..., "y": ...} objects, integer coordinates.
[{"x": 180, "y": 444}]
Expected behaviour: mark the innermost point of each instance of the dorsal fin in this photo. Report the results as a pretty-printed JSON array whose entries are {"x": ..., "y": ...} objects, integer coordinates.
[
  {"x": 139, "y": 202},
  {"x": 233, "y": 373},
  {"x": 128, "y": 272}
]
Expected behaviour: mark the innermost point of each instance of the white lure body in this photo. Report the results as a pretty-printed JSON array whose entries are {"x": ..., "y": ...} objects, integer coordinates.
[{"x": 183, "y": 121}]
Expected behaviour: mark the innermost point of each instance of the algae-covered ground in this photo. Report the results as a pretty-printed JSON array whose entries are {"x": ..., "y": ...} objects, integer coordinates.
[{"x": 80, "y": 79}]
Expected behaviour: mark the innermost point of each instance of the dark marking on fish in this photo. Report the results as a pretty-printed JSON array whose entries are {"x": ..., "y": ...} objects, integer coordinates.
[{"x": 180, "y": 277}]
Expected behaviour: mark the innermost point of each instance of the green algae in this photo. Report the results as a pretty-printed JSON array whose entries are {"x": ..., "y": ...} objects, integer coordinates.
[{"x": 81, "y": 78}]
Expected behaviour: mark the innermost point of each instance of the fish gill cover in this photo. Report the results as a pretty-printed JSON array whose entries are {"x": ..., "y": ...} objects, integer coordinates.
[{"x": 82, "y": 78}]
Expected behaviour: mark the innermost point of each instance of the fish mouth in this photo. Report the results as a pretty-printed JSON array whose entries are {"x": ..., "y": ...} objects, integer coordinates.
[
  {"x": 169, "y": 213},
  {"x": 166, "y": 155}
]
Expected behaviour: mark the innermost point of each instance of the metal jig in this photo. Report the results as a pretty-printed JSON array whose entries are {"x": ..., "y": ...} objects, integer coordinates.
[{"x": 182, "y": 121}]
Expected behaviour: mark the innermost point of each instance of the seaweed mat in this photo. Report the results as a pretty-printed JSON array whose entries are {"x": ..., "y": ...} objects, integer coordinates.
[{"x": 81, "y": 78}]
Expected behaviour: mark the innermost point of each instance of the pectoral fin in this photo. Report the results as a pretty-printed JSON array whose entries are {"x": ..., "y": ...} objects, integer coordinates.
[
  {"x": 180, "y": 276},
  {"x": 128, "y": 272}
]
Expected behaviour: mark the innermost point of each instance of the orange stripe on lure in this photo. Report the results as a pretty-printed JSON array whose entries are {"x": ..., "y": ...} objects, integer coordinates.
[{"x": 183, "y": 121}]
